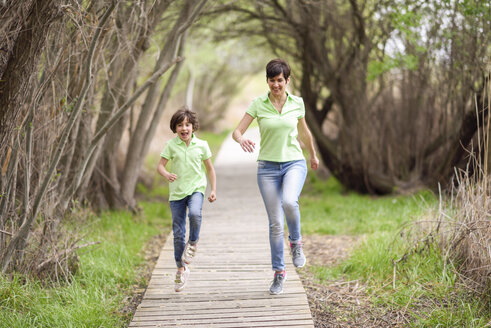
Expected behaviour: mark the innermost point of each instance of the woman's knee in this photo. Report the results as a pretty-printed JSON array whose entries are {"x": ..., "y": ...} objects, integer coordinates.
[
  {"x": 290, "y": 205},
  {"x": 275, "y": 227}
]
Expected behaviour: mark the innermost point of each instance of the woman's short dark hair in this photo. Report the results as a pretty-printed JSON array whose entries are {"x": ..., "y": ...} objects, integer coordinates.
[
  {"x": 277, "y": 66},
  {"x": 180, "y": 115}
]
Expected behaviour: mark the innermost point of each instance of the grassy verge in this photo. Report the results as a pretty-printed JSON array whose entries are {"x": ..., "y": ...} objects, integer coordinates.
[
  {"x": 102, "y": 286},
  {"x": 422, "y": 286}
]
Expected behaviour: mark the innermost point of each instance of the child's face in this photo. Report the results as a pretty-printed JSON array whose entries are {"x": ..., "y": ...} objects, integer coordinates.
[{"x": 184, "y": 130}]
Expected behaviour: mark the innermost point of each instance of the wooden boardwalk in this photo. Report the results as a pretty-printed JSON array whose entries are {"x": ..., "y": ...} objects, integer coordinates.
[{"x": 231, "y": 274}]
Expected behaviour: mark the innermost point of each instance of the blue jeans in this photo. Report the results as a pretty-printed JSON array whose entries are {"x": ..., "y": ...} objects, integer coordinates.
[
  {"x": 280, "y": 185},
  {"x": 178, "y": 208}
]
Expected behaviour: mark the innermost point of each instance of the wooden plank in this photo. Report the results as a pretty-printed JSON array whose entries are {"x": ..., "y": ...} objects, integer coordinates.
[
  {"x": 222, "y": 311},
  {"x": 234, "y": 317},
  {"x": 229, "y": 289},
  {"x": 225, "y": 303}
]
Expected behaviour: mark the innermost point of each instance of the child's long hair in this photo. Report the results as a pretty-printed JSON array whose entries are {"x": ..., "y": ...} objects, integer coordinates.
[{"x": 180, "y": 115}]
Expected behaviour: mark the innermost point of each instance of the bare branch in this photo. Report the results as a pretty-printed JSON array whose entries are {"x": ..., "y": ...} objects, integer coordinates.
[
  {"x": 20, "y": 237},
  {"x": 6, "y": 232}
]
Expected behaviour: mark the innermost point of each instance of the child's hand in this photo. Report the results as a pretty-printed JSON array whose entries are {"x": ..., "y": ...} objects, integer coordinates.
[
  {"x": 171, "y": 177},
  {"x": 212, "y": 197}
]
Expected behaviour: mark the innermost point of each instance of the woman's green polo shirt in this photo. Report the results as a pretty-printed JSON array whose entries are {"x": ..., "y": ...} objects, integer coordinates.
[
  {"x": 187, "y": 164},
  {"x": 278, "y": 131}
]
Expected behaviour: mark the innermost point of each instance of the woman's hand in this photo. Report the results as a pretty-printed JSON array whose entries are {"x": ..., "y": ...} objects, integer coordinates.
[
  {"x": 170, "y": 176},
  {"x": 247, "y": 144},
  {"x": 314, "y": 162},
  {"x": 212, "y": 197}
]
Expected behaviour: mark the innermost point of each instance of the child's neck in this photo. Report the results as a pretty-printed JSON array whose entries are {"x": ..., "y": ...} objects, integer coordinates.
[{"x": 188, "y": 141}]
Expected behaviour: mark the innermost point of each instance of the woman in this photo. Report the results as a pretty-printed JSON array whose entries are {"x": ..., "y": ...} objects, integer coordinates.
[{"x": 281, "y": 165}]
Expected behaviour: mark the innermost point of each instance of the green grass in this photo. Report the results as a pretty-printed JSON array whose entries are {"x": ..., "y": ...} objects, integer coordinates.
[
  {"x": 327, "y": 208},
  {"x": 105, "y": 279},
  {"x": 422, "y": 283}
]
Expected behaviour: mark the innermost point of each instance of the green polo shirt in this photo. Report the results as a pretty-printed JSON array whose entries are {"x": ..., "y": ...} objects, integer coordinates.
[
  {"x": 278, "y": 131},
  {"x": 187, "y": 164}
]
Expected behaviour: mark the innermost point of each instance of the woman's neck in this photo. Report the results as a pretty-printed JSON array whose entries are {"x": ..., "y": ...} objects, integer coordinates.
[
  {"x": 277, "y": 99},
  {"x": 278, "y": 102}
]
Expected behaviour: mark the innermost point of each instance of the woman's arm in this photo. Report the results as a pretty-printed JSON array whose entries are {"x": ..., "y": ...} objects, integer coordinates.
[
  {"x": 237, "y": 135},
  {"x": 306, "y": 137},
  {"x": 163, "y": 172},
  {"x": 210, "y": 170}
]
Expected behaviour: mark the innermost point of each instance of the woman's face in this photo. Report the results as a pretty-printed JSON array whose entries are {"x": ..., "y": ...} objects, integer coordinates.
[{"x": 277, "y": 84}]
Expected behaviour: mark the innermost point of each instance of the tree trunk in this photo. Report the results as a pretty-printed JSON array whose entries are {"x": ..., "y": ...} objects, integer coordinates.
[
  {"x": 133, "y": 161},
  {"x": 31, "y": 24},
  {"x": 105, "y": 177},
  {"x": 154, "y": 122},
  {"x": 20, "y": 238}
]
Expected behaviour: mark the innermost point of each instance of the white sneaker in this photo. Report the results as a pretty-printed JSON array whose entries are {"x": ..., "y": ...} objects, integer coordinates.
[
  {"x": 189, "y": 253},
  {"x": 181, "y": 279}
]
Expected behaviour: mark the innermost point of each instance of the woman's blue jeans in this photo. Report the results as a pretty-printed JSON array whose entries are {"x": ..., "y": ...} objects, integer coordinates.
[
  {"x": 280, "y": 185},
  {"x": 178, "y": 208}
]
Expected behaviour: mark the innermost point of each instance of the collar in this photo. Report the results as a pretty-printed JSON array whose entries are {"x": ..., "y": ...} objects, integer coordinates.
[
  {"x": 180, "y": 142},
  {"x": 265, "y": 97}
]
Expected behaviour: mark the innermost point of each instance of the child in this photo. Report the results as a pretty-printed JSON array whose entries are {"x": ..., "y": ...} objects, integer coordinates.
[{"x": 189, "y": 156}]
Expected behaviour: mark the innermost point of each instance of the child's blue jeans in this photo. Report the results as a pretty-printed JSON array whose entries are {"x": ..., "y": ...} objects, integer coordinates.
[
  {"x": 280, "y": 184},
  {"x": 178, "y": 208}
]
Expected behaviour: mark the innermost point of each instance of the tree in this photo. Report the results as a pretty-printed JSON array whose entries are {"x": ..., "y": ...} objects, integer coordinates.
[
  {"x": 388, "y": 92},
  {"x": 78, "y": 64}
]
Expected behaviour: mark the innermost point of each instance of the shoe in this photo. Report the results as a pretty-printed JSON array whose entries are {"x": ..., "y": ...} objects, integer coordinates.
[
  {"x": 277, "y": 284},
  {"x": 181, "y": 279},
  {"x": 297, "y": 254},
  {"x": 189, "y": 253}
]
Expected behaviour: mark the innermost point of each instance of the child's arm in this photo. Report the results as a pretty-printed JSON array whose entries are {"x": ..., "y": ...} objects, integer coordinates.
[
  {"x": 163, "y": 172},
  {"x": 213, "y": 179}
]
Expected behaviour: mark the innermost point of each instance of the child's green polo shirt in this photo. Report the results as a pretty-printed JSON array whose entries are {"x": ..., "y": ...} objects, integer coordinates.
[
  {"x": 278, "y": 131},
  {"x": 187, "y": 164}
]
